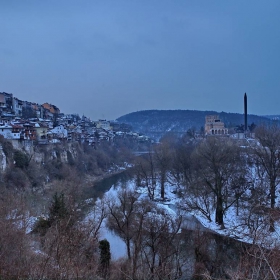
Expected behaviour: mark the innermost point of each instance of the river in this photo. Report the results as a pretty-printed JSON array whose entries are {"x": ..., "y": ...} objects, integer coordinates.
[
  {"x": 101, "y": 187},
  {"x": 118, "y": 248}
]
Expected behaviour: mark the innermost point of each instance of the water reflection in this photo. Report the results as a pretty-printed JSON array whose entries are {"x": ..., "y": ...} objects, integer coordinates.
[{"x": 99, "y": 188}]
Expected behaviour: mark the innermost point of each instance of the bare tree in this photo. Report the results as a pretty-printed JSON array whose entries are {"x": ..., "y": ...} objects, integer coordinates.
[
  {"x": 146, "y": 173},
  {"x": 163, "y": 159},
  {"x": 161, "y": 245},
  {"x": 68, "y": 252},
  {"x": 69, "y": 246},
  {"x": 257, "y": 262},
  {"x": 16, "y": 256},
  {"x": 151, "y": 235},
  {"x": 126, "y": 218},
  {"x": 121, "y": 216},
  {"x": 182, "y": 168},
  {"x": 220, "y": 168},
  {"x": 199, "y": 199},
  {"x": 268, "y": 160}
]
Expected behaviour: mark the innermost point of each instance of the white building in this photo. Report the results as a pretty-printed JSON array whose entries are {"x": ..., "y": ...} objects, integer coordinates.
[
  {"x": 10, "y": 132},
  {"x": 59, "y": 132}
]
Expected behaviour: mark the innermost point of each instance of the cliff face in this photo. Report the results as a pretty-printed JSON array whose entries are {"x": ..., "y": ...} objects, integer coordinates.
[
  {"x": 24, "y": 166},
  {"x": 3, "y": 159},
  {"x": 43, "y": 153}
]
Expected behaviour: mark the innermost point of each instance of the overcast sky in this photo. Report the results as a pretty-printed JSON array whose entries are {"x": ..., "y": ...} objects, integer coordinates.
[{"x": 105, "y": 58}]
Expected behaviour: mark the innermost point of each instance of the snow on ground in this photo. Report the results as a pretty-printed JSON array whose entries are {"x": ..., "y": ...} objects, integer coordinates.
[
  {"x": 22, "y": 221},
  {"x": 143, "y": 194},
  {"x": 30, "y": 223},
  {"x": 239, "y": 227},
  {"x": 236, "y": 226}
]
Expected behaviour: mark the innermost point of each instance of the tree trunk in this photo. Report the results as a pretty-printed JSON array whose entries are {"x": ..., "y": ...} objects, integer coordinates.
[
  {"x": 162, "y": 182},
  {"x": 128, "y": 249},
  {"x": 272, "y": 206},
  {"x": 219, "y": 211},
  {"x": 237, "y": 206}
]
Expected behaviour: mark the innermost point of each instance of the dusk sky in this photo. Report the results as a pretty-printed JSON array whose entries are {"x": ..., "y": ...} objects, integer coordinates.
[{"x": 105, "y": 58}]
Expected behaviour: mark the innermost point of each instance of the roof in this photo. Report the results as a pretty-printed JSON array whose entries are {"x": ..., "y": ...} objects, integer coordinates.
[{"x": 52, "y": 108}]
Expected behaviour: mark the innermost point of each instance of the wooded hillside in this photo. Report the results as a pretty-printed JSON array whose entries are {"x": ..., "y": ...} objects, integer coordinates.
[{"x": 156, "y": 123}]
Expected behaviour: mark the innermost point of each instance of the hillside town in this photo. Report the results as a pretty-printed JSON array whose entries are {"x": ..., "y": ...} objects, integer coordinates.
[{"x": 24, "y": 121}]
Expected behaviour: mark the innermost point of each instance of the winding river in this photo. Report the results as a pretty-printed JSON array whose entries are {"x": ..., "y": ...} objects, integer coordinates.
[{"x": 117, "y": 245}]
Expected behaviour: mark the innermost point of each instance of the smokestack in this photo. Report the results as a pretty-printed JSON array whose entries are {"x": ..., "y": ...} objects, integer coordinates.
[{"x": 245, "y": 112}]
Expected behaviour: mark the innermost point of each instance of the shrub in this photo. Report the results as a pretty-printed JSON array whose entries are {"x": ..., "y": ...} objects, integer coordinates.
[
  {"x": 70, "y": 158},
  {"x": 21, "y": 159},
  {"x": 15, "y": 178},
  {"x": 7, "y": 147},
  {"x": 58, "y": 209},
  {"x": 41, "y": 226}
]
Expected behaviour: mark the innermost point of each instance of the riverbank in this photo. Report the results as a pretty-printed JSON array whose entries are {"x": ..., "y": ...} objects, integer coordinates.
[
  {"x": 98, "y": 186},
  {"x": 91, "y": 179}
]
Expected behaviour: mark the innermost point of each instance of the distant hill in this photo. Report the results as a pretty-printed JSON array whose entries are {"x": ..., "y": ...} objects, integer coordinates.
[
  {"x": 156, "y": 123},
  {"x": 273, "y": 117}
]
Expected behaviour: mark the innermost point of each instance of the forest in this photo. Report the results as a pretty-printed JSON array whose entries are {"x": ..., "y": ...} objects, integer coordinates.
[
  {"x": 49, "y": 230},
  {"x": 155, "y": 123}
]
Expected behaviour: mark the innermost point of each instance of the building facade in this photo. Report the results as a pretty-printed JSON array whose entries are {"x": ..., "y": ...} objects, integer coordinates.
[{"x": 214, "y": 126}]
